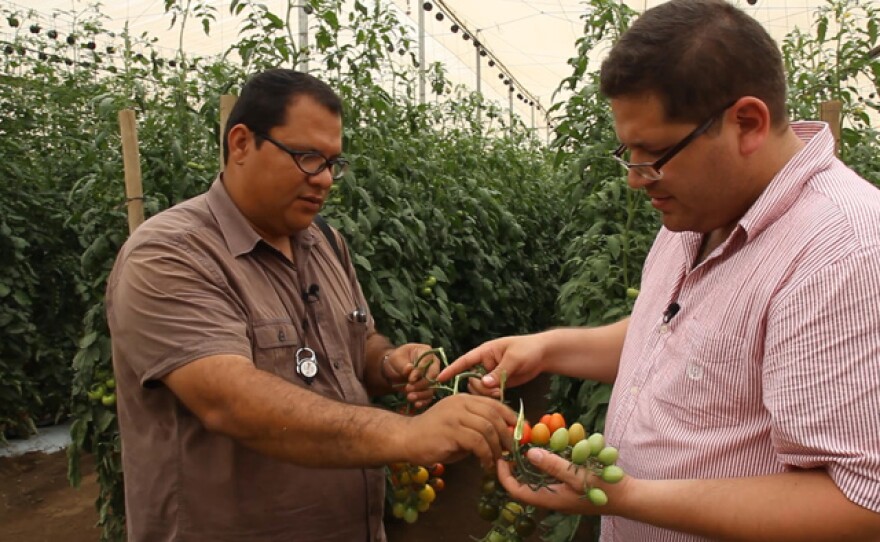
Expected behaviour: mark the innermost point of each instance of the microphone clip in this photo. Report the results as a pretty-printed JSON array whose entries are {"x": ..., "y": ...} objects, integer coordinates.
[
  {"x": 670, "y": 312},
  {"x": 311, "y": 294}
]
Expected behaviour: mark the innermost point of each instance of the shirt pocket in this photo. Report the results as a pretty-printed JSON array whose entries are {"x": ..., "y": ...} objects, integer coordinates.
[
  {"x": 274, "y": 347},
  {"x": 706, "y": 379}
]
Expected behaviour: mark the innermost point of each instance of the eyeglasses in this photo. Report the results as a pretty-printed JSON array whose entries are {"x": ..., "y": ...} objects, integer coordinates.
[
  {"x": 311, "y": 162},
  {"x": 651, "y": 170}
]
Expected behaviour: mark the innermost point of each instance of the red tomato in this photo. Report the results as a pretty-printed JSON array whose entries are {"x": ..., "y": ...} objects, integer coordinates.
[
  {"x": 526, "y": 434},
  {"x": 556, "y": 421}
]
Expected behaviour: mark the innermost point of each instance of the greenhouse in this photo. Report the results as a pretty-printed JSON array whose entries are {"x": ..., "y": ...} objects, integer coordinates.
[{"x": 462, "y": 172}]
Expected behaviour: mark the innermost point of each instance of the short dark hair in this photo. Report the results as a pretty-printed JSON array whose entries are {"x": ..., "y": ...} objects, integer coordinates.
[
  {"x": 266, "y": 95},
  {"x": 697, "y": 55}
]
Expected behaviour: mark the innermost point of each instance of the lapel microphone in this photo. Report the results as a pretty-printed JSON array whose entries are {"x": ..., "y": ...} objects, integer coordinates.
[
  {"x": 670, "y": 312},
  {"x": 311, "y": 294}
]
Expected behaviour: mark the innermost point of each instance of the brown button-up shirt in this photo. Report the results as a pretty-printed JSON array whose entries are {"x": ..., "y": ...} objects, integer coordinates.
[{"x": 196, "y": 281}]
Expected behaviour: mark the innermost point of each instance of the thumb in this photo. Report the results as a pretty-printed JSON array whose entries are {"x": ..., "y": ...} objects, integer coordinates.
[
  {"x": 554, "y": 465},
  {"x": 493, "y": 378}
]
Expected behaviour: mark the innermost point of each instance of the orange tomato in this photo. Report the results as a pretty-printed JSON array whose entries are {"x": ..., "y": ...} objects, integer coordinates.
[{"x": 540, "y": 434}]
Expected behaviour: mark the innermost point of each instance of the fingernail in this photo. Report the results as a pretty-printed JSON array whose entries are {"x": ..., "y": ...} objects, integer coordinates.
[
  {"x": 489, "y": 380},
  {"x": 536, "y": 455}
]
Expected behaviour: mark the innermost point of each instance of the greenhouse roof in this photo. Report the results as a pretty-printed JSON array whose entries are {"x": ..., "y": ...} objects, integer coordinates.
[{"x": 531, "y": 39}]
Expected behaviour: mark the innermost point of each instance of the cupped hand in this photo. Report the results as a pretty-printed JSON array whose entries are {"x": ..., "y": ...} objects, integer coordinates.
[
  {"x": 459, "y": 425},
  {"x": 567, "y": 496},
  {"x": 518, "y": 357}
]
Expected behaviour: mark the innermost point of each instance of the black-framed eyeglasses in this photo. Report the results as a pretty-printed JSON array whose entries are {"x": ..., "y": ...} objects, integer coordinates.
[
  {"x": 311, "y": 162},
  {"x": 651, "y": 170}
]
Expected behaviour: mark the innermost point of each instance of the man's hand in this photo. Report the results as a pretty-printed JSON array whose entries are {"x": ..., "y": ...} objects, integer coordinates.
[
  {"x": 568, "y": 496},
  {"x": 400, "y": 369},
  {"x": 519, "y": 358},
  {"x": 456, "y": 426}
]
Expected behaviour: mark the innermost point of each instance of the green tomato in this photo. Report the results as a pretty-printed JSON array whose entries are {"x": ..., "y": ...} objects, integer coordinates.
[
  {"x": 608, "y": 455},
  {"x": 580, "y": 453},
  {"x": 426, "y": 291},
  {"x": 498, "y": 536},
  {"x": 597, "y": 496},
  {"x": 525, "y": 526},
  {"x": 559, "y": 440},
  {"x": 431, "y": 281},
  {"x": 398, "y": 509},
  {"x": 97, "y": 391},
  {"x": 511, "y": 511},
  {"x": 487, "y": 511},
  {"x": 109, "y": 399},
  {"x": 597, "y": 442},
  {"x": 632, "y": 293},
  {"x": 110, "y": 383},
  {"x": 612, "y": 474},
  {"x": 410, "y": 515},
  {"x": 489, "y": 487}
]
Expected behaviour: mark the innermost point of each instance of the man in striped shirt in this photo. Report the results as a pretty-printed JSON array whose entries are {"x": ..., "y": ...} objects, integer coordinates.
[{"x": 746, "y": 401}]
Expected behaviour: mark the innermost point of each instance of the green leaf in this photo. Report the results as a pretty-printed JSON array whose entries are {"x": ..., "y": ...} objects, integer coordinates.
[
  {"x": 362, "y": 262},
  {"x": 88, "y": 340},
  {"x": 392, "y": 311},
  {"x": 21, "y": 298}
]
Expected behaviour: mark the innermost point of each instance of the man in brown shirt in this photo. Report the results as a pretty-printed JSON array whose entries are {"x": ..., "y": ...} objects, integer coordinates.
[{"x": 246, "y": 357}]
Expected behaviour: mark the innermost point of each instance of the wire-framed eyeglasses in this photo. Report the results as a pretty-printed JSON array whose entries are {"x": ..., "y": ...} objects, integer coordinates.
[
  {"x": 311, "y": 162},
  {"x": 651, "y": 170}
]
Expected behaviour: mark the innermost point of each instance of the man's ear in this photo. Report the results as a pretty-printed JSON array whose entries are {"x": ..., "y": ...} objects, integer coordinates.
[
  {"x": 240, "y": 143},
  {"x": 752, "y": 119}
]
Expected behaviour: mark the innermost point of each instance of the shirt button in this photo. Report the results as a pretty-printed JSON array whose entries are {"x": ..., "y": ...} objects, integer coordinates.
[
  {"x": 694, "y": 371},
  {"x": 634, "y": 390},
  {"x": 335, "y": 364}
]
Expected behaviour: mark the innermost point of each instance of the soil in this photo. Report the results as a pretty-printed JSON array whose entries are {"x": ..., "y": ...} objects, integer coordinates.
[{"x": 37, "y": 504}]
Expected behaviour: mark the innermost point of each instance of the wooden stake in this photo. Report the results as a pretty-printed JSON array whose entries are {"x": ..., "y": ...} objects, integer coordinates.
[
  {"x": 830, "y": 112},
  {"x": 134, "y": 193},
  {"x": 226, "y": 103}
]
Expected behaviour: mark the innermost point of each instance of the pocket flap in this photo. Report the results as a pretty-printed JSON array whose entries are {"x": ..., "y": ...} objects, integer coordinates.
[{"x": 275, "y": 334}]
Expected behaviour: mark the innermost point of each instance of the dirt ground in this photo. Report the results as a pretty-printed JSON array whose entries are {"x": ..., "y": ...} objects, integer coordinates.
[{"x": 38, "y": 505}]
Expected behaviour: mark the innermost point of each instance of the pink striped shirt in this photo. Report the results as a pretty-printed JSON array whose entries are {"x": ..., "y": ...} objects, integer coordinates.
[{"x": 773, "y": 361}]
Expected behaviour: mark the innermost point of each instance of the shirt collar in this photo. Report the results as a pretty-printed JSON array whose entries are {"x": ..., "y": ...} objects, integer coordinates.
[
  {"x": 785, "y": 188},
  {"x": 240, "y": 236}
]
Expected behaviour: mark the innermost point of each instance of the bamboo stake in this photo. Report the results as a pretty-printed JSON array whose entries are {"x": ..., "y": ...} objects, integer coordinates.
[
  {"x": 134, "y": 194},
  {"x": 830, "y": 112},
  {"x": 226, "y": 103}
]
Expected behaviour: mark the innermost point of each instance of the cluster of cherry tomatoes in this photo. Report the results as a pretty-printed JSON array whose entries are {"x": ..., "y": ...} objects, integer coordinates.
[
  {"x": 511, "y": 521},
  {"x": 412, "y": 489},
  {"x": 573, "y": 444}
]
